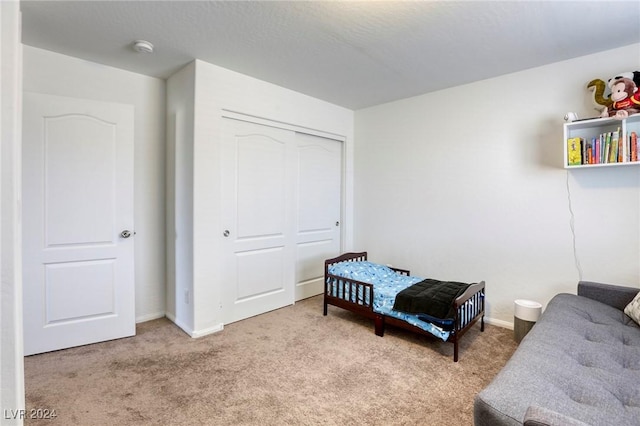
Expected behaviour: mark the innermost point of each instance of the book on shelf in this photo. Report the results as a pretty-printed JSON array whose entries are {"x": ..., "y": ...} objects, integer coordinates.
[
  {"x": 606, "y": 148},
  {"x": 574, "y": 151},
  {"x": 610, "y": 144},
  {"x": 620, "y": 144},
  {"x": 613, "y": 153}
]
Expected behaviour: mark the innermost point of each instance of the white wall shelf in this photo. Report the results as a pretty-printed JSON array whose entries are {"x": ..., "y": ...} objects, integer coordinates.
[{"x": 593, "y": 128}]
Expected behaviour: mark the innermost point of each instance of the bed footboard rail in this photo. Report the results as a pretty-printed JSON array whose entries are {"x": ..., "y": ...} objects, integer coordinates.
[
  {"x": 356, "y": 296},
  {"x": 469, "y": 308},
  {"x": 353, "y": 295},
  {"x": 470, "y": 305},
  {"x": 345, "y": 257}
]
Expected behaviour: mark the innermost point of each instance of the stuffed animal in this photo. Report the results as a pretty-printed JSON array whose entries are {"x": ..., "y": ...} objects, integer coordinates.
[
  {"x": 625, "y": 98},
  {"x": 599, "y": 87},
  {"x": 631, "y": 75}
]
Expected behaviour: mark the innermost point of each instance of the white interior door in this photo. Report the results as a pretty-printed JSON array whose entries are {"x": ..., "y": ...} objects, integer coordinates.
[
  {"x": 77, "y": 200},
  {"x": 257, "y": 171},
  {"x": 319, "y": 189}
]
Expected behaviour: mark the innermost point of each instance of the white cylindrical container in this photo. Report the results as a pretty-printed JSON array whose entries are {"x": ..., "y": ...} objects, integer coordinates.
[{"x": 526, "y": 313}]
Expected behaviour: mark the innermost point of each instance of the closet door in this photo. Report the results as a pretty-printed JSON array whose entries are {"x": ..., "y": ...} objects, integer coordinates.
[
  {"x": 258, "y": 164},
  {"x": 319, "y": 189}
]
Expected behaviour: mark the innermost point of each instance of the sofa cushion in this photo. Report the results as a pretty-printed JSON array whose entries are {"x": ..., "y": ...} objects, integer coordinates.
[
  {"x": 581, "y": 359},
  {"x": 633, "y": 309}
]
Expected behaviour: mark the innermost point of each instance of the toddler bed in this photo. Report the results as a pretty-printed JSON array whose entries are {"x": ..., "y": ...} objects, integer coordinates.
[{"x": 392, "y": 296}]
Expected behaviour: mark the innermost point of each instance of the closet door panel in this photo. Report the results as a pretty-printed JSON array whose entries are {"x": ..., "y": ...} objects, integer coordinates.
[
  {"x": 319, "y": 189},
  {"x": 261, "y": 185},
  {"x": 257, "y": 171}
]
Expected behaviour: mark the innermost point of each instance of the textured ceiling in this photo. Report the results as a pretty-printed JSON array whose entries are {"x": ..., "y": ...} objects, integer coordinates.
[{"x": 354, "y": 54}]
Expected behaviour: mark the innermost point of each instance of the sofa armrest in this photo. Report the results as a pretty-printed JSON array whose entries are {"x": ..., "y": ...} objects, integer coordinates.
[
  {"x": 612, "y": 295},
  {"x": 539, "y": 416}
]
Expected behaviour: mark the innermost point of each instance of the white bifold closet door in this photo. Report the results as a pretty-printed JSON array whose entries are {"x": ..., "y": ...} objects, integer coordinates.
[{"x": 281, "y": 197}]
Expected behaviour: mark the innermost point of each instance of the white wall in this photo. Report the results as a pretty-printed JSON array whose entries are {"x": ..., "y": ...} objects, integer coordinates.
[
  {"x": 53, "y": 73},
  {"x": 11, "y": 353},
  {"x": 467, "y": 184},
  {"x": 219, "y": 91},
  {"x": 180, "y": 129}
]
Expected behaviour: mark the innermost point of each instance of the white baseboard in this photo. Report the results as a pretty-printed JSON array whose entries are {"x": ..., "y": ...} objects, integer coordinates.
[
  {"x": 499, "y": 323},
  {"x": 205, "y": 332},
  {"x": 149, "y": 317},
  {"x": 180, "y": 325},
  {"x": 195, "y": 333}
]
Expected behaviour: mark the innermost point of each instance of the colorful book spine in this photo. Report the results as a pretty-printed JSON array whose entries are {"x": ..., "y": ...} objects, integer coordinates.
[
  {"x": 613, "y": 158},
  {"x": 620, "y": 144},
  {"x": 574, "y": 152}
]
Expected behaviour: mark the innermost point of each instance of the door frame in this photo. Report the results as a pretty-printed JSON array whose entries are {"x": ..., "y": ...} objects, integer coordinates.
[{"x": 13, "y": 393}]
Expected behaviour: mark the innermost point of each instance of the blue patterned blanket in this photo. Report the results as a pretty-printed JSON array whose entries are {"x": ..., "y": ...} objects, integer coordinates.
[{"x": 387, "y": 284}]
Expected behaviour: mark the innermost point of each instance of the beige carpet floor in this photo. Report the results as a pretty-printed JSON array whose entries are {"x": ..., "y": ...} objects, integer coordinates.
[{"x": 292, "y": 366}]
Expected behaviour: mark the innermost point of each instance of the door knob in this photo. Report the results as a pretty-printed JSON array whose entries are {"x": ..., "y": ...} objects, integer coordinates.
[
  {"x": 125, "y": 234},
  {"x": 226, "y": 233}
]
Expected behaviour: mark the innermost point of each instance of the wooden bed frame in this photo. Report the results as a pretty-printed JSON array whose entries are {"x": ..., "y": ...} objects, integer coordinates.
[{"x": 469, "y": 307}]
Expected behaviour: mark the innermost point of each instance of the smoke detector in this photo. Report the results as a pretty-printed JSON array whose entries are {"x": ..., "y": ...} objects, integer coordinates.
[{"x": 142, "y": 46}]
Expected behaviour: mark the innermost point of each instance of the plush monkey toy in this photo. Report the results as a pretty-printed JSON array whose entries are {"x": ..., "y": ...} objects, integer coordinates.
[
  {"x": 625, "y": 99},
  {"x": 631, "y": 75},
  {"x": 599, "y": 87}
]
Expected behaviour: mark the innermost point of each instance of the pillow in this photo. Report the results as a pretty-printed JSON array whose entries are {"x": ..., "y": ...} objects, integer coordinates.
[{"x": 633, "y": 309}]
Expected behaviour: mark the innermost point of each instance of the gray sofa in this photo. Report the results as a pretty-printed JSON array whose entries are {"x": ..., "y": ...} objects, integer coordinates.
[{"x": 579, "y": 365}]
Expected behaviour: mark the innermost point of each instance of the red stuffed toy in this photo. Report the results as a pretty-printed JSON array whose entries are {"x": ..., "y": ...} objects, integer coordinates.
[{"x": 625, "y": 98}]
